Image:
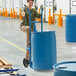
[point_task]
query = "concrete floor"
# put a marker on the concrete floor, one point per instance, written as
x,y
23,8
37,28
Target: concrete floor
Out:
x,y
9,30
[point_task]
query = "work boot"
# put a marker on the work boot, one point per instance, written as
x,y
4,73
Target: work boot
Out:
x,y
25,62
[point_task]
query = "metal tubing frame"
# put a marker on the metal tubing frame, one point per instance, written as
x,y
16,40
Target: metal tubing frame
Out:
x,y
34,28
30,33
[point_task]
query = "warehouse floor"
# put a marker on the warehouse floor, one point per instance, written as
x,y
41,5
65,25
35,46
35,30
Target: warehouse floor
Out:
x,y
12,45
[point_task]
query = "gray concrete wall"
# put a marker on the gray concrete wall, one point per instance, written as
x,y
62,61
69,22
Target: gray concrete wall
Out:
x,y
64,5
11,4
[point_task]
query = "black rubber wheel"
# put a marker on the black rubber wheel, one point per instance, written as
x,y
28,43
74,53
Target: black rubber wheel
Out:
x,y
25,62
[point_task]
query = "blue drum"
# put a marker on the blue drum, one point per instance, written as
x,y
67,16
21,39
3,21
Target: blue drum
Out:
x,y
43,46
70,28
65,69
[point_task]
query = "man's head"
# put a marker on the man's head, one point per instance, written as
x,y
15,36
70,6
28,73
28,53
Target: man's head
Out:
x,y
30,3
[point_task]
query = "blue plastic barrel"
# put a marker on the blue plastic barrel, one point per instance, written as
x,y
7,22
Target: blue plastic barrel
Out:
x,y
70,28
43,50
65,69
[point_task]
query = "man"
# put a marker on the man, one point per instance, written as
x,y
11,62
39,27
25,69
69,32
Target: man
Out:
x,y
25,27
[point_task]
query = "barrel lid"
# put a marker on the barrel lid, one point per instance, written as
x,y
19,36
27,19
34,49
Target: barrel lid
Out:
x,y
66,66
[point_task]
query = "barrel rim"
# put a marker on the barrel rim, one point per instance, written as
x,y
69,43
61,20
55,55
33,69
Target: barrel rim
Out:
x,y
71,15
45,32
55,66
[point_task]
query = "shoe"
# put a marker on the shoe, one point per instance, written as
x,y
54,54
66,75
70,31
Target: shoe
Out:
x,y
25,62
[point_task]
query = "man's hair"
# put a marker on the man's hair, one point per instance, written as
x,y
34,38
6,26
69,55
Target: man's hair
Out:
x,y
29,0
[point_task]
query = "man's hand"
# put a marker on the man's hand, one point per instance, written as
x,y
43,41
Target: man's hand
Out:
x,y
36,7
23,14
41,7
23,28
